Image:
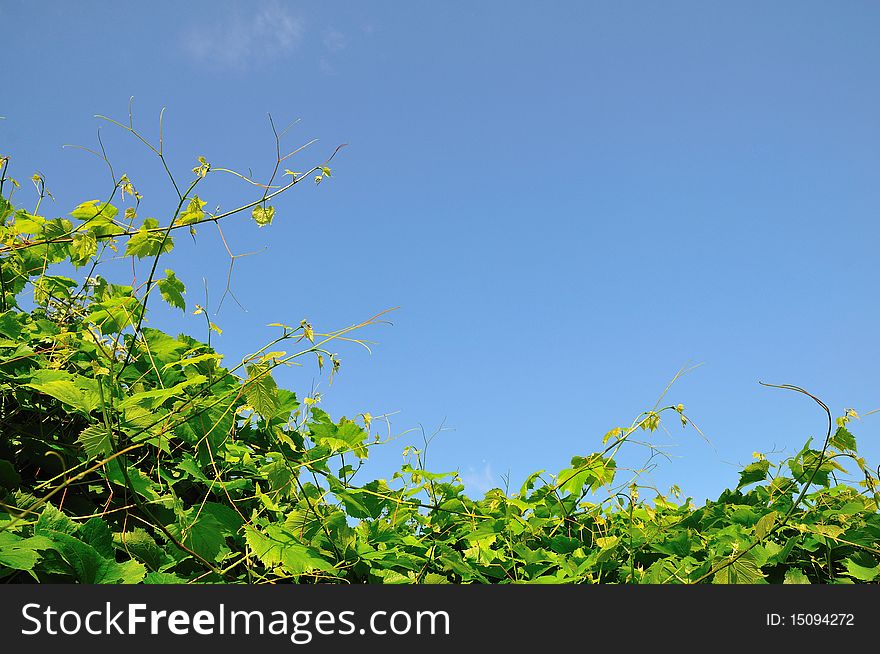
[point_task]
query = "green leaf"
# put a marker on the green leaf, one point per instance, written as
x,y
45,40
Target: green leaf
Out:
x,y
62,387
593,471
157,397
146,243
163,578
261,391
795,576
26,223
843,440
53,286
95,211
194,361
228,518
679,545
83,248
861,572
10,325
612,433
88,566
204,536
51,520
115,314
172,290
142,484
744,570
18,558
21,553
263,215
347,435
754,472
96,533
193,212
276,546
95,440
765,524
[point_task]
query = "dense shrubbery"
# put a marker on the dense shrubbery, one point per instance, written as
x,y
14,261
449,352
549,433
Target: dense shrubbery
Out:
x,y
129,455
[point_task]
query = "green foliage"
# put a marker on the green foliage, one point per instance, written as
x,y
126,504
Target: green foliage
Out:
x,y
129,455
263,215
172,290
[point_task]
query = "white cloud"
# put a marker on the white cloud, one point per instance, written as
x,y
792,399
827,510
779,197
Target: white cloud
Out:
x,y
334,40
239,41
479,480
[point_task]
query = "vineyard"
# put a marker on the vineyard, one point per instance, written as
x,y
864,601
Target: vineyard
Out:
x,y
131,455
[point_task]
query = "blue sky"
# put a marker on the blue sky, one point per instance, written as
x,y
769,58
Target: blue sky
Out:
x,y
568,202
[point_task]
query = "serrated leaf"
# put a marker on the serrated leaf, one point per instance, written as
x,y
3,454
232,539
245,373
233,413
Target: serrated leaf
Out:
x,y
147,243
743,570
194,361
612,433
193,212
26,223
95,440
261,391
63,387
83,247
172,290
95,210
204,536
138,544
263,215
765,524
52,286
18,558
860,572
155,398
96,533
843,440
752,473
347,435
795,576
51,520
276,546
163,578
21,553
88,566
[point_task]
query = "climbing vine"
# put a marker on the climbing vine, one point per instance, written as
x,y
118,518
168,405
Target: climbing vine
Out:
x,y
130,455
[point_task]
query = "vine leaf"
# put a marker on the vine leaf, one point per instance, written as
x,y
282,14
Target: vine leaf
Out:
x,y
63,387
172,290
765,524
860,572
83,248
263,215
753,473
743,570
90,567
262,391
277,546
843,440
95,440
21,553
148,243
193,212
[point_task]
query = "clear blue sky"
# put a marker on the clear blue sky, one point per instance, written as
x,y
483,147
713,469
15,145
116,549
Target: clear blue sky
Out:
x,y
568,202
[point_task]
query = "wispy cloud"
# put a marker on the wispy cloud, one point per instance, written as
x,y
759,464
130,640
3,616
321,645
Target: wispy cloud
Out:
x,y
479,480
334,40
241,40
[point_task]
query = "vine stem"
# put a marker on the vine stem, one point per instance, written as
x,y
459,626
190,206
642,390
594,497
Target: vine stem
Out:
x,y
733,559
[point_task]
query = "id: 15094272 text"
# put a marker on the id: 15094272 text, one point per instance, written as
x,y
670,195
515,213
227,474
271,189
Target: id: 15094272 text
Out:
x,y
810,620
